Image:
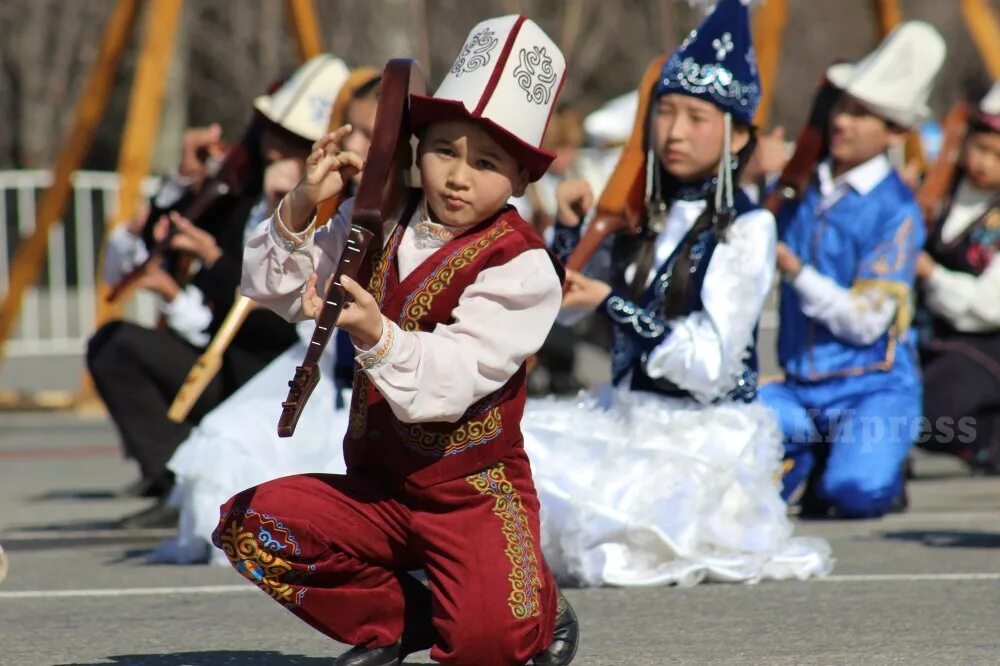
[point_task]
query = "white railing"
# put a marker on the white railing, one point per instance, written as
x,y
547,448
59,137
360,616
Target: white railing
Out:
x,y
57,314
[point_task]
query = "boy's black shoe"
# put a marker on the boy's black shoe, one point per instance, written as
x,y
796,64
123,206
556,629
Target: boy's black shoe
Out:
x,y
565,638
390,655
418,632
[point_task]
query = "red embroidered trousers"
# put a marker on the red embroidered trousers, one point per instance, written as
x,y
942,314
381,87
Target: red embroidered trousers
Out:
x,y
335,550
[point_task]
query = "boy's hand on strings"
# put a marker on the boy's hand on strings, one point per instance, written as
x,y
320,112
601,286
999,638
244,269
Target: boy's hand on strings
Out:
x,y
925,266
194,240
328,168
583,293
312,300
361,316
573,198
788,262
158,281
137,223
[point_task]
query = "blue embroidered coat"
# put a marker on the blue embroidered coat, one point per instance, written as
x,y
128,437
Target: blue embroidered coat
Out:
x,y
869,241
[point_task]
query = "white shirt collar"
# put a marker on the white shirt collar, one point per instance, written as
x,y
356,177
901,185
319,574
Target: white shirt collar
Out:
x,y
967,206
862,178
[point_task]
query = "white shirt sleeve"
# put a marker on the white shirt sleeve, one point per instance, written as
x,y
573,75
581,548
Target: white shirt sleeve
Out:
x,y
189,316
704,352
500,320
277,263
970,303
172,189
859,317
123,252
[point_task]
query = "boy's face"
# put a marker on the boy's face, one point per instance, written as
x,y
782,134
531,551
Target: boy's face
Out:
x,y
466,175
857,135
688,135
982,160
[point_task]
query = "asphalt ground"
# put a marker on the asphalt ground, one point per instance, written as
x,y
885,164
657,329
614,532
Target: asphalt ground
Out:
x,y
920,587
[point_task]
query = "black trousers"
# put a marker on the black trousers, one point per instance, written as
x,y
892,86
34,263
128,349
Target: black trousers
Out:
x,y
962,405
138,371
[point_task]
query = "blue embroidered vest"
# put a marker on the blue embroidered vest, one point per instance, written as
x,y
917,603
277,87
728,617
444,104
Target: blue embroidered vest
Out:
x,y
639,327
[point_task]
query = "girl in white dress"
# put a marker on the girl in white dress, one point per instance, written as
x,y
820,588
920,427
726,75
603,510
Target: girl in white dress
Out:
x,y
670,474
237,446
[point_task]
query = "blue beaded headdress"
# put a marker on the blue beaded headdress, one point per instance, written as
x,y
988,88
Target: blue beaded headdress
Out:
x,y
717,63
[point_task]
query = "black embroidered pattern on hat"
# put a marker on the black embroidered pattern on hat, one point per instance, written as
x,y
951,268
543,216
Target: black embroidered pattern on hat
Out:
x,y
476,53
535,62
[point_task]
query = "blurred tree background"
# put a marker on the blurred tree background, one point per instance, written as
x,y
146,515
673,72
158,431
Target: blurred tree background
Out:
x,y
229,51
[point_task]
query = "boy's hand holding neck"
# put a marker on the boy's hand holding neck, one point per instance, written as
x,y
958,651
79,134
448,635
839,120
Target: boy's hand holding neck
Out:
x,y
327,171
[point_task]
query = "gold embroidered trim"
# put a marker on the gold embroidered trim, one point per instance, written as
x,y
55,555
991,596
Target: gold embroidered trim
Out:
x,y
419,303
425,230
525,582
471,433
289,239
896,249
258,565
900,325
359,407
377,284
377,359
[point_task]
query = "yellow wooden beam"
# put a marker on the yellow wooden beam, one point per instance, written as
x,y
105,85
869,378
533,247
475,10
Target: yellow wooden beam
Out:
x,y
305,28
888,15
769,23
87,117
985,30
142,124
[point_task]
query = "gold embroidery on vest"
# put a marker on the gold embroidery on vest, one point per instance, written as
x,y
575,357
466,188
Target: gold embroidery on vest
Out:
x,y
359,407
418,305
525,582
376,286
471,433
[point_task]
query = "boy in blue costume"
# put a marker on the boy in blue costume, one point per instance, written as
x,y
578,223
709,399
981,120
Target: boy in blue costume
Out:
x,y
850,405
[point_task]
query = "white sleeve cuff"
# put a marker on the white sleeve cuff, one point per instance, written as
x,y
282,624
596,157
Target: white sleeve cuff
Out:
x,y
292,241
816,290
380,353
173,188
188,316
123,252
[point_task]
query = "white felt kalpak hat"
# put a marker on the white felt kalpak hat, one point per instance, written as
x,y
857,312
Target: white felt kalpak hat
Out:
x,y
611,125
895,80
303,103
508,76
987,114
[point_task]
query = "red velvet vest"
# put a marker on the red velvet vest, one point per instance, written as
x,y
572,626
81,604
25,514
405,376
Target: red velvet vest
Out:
x,y
431,452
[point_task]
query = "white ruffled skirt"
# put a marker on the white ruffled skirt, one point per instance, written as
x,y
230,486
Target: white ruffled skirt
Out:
x,y
236,446
639,489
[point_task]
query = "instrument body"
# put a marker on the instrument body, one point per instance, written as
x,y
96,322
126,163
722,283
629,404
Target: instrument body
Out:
x,y
810,148
940,179
379,195
621,206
